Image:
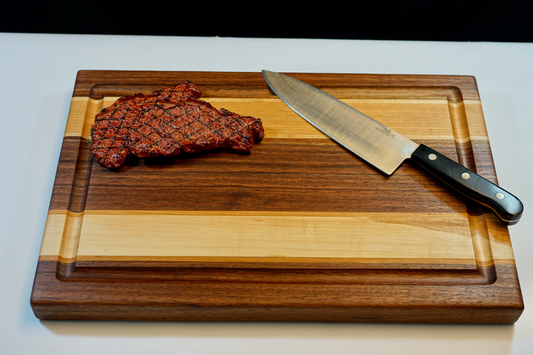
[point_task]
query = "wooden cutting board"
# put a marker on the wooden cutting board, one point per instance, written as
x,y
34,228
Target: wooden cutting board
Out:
x,y
298,230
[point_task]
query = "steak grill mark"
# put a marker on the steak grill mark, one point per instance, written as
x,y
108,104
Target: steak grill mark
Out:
x,y
166,123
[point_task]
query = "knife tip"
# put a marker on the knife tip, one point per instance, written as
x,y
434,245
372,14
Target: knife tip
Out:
x,y
266,74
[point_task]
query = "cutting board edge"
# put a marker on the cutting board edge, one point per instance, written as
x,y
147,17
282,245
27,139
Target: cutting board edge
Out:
x,y
53,299
463,85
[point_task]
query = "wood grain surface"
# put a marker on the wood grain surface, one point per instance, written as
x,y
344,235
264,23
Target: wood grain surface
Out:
x,y
298,230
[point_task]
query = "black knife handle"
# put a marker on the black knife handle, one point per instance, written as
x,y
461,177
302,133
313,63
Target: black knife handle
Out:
x,y
506,206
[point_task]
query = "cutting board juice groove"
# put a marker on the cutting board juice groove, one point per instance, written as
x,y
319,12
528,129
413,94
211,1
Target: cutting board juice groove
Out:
x,y
78,244
485,273
76,207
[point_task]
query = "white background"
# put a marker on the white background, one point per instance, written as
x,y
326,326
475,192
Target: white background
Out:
x,y
37,74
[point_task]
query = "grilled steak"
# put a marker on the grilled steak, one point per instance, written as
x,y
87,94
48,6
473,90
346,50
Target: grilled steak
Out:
x,y
168,122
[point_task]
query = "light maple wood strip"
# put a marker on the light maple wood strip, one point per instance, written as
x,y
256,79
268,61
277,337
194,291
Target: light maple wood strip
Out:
x,y
76,116
405,117
481,241
53,233
275,235
81,116
52,246
279,121
71,236
61,236
468,122
93,107
459,122
476,120
500,240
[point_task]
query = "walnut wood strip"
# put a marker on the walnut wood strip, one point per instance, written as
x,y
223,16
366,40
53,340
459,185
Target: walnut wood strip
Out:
x,y
193,301
247,84
271,179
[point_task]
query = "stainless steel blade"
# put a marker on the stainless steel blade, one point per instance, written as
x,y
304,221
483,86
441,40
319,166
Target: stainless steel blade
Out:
x,y
372,141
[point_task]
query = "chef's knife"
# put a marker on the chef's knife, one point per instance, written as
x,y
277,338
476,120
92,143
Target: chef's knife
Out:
x,y
384,148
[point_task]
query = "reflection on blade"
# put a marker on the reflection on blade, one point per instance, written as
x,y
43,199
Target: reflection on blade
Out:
x,y
362,135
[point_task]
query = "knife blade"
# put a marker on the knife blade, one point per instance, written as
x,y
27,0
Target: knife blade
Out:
x,y
384,148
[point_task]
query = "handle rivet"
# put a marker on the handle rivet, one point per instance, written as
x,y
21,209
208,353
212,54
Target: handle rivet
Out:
x,y
500,196
465,176
432,157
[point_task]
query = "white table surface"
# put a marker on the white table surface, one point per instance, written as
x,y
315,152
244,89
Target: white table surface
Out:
x,y
37,74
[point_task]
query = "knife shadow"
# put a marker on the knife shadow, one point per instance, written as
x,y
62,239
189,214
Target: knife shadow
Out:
x,y
440,190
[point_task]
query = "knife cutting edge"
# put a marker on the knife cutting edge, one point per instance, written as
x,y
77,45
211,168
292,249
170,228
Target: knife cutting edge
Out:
x,y
384,148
